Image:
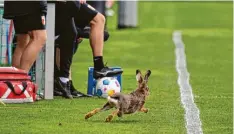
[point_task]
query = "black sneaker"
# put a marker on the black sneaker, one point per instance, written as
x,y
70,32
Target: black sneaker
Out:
x,y
64,88
106,72
57,92
75,93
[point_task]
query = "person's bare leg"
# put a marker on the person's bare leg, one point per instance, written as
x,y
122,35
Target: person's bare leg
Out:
x,y
96,40
22,42
37,41
96,34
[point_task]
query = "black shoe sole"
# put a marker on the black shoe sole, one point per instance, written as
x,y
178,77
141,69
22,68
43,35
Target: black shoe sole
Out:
x,y
81,96
78,94
109,74
58,93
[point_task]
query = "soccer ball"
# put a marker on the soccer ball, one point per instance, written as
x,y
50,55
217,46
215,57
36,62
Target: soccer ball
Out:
x,y
107,86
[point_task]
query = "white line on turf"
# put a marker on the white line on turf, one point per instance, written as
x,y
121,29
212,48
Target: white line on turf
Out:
x,y
193,122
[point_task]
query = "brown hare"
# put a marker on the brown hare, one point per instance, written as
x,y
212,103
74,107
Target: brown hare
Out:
x,y
126,103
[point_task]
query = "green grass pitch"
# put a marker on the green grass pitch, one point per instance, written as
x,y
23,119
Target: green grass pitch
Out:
x,y
207,34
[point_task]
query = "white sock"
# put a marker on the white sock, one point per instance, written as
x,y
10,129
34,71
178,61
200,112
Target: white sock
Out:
x,y
64,79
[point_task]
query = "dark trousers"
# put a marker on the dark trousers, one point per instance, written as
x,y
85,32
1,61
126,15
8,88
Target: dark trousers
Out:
x,y
65,27
68,16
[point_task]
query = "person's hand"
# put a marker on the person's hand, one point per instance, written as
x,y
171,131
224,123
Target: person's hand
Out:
x,y
82,1
79,40
109,3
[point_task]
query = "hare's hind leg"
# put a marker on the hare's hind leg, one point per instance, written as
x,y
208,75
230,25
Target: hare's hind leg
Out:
x,y
107,106
112,115
91,113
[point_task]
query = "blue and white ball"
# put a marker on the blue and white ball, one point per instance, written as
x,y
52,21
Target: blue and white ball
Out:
x,y
107,86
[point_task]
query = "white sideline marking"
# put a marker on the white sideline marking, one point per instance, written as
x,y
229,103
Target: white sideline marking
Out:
x,y
193,122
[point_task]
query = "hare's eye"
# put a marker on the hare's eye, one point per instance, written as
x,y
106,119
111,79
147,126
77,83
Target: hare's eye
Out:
x,y
147,87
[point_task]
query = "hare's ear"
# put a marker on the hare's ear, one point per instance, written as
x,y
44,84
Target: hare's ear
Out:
x,y
147,75
138,76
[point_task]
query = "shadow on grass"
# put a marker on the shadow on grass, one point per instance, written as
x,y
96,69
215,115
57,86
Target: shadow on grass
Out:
x,y
115,121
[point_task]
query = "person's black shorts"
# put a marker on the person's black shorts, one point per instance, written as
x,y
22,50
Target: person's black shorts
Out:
x,y
99,5
26,23
84,15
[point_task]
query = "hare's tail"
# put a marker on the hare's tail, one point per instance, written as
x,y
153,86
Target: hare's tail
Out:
x,y
114,98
